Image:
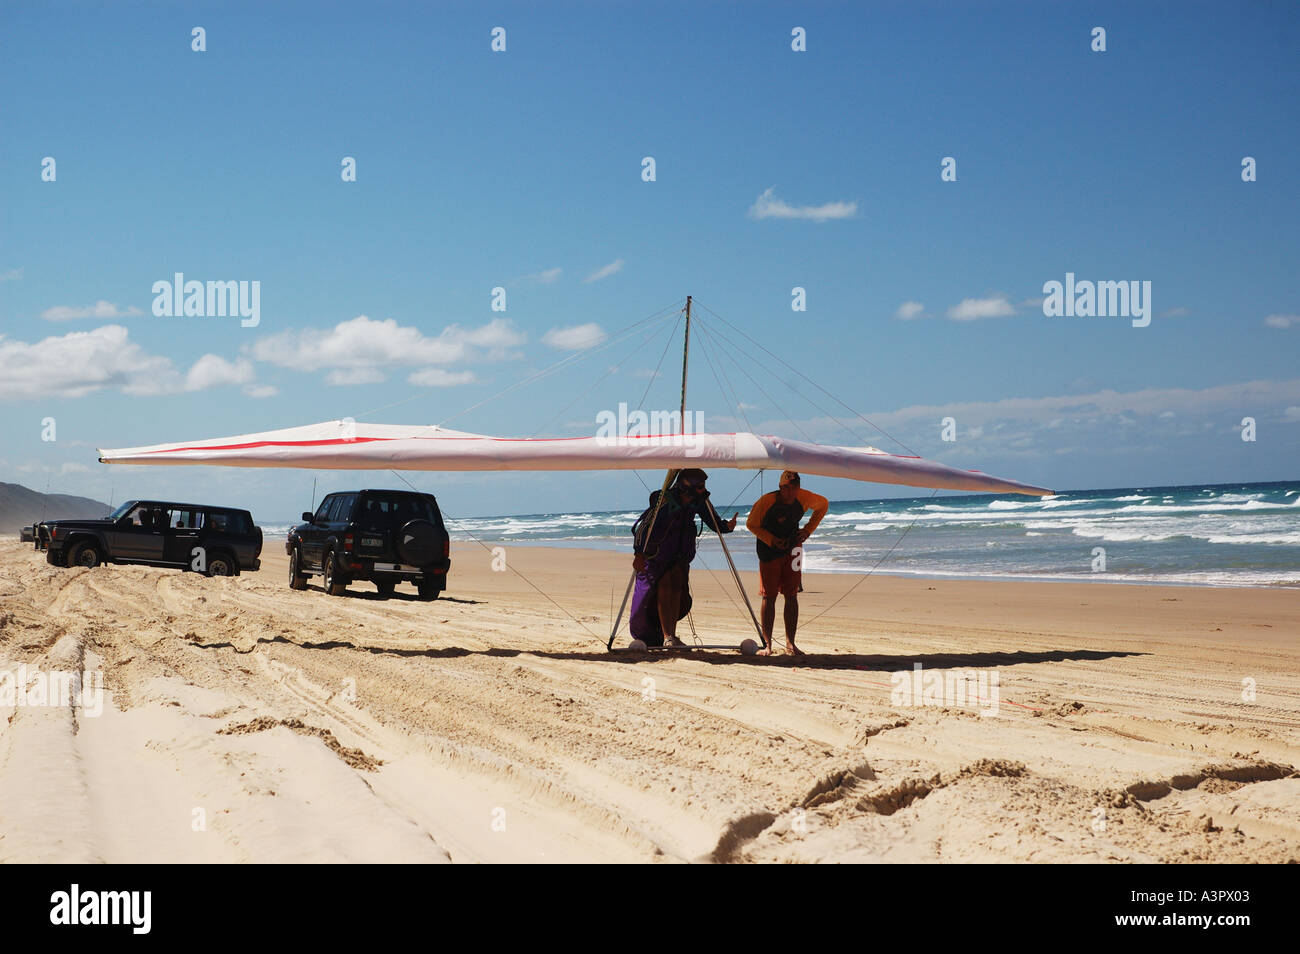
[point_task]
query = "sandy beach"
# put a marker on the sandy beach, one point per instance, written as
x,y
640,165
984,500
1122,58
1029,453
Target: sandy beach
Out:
x,y
245,722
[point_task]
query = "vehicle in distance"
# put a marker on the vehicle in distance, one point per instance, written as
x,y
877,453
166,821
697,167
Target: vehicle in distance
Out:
x,y
383,536
218,541
26,534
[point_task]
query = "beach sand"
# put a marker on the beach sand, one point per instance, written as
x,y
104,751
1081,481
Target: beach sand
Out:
x,y
244,721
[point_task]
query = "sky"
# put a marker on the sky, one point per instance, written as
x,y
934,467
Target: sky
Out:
x,y
774,169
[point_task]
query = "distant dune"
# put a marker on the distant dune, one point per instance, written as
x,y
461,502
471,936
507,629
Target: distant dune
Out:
x,y
19,506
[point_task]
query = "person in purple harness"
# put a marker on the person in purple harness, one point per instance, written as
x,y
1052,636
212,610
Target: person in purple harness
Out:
x,y
664,552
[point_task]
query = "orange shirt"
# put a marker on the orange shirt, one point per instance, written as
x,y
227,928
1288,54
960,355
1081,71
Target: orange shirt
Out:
x,y
809,500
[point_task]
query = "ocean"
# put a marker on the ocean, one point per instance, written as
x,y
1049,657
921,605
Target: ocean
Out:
x,y
1222,534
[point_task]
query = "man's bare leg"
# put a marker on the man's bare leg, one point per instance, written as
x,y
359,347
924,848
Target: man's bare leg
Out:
x,y
769,622
669,604
792,624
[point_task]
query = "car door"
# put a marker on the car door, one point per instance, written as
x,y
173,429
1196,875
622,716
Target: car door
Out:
x,y
340,516
223,529
312,536
183,535
138,536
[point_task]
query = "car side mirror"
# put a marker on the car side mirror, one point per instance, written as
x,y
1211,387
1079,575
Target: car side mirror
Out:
x,y
308,516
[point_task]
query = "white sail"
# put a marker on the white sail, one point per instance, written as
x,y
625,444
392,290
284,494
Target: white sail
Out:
x,y
345,445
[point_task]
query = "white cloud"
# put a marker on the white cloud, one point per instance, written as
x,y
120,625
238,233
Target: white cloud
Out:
x,y
972,309
78,363
213,371
768,206
440,378
365,346
82,362
348,376
909,310
613,268
100,309
261,390
13,275
574,338
1282,321
548,276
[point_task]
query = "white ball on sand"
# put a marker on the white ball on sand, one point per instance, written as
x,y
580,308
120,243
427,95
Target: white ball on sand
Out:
x,y
749,647
637,646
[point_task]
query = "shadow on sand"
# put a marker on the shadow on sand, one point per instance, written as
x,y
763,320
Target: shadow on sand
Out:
x,y
398,596
820,661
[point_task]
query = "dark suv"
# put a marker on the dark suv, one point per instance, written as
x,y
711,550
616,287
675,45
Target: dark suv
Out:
x,y
218,541
384,536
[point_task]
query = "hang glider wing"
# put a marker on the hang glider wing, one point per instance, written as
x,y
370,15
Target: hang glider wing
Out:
x,y
344,445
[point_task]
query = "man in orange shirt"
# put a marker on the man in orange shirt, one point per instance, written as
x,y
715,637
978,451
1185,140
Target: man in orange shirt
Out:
x,y
774,522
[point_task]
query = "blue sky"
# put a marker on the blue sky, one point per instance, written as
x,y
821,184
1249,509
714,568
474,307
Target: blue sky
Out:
x,y
522,169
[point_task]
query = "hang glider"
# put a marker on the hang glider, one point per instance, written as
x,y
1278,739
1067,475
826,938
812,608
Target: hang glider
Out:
x,y
345,445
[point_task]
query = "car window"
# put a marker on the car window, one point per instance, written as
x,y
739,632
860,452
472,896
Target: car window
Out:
x,y
147,516
185,518
228,521
224,521
344,509
323,514
396,508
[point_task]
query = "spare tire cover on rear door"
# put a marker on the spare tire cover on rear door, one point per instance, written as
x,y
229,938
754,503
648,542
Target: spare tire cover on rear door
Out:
x,y
418,543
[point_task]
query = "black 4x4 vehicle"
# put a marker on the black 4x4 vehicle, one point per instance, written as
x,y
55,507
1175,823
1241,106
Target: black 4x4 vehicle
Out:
x,y
384,536
218,541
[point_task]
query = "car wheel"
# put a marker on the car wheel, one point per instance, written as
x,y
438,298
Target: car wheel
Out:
x,y
334,584
85,554
297,581
56,558
220,565
386,587
429,591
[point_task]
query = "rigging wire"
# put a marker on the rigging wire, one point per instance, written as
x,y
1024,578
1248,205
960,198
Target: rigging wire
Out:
x,y
823,410
618,335
512,569
655,375
773,402
808,379
874,567
708,359
562,363
757,474
640,344
735,396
